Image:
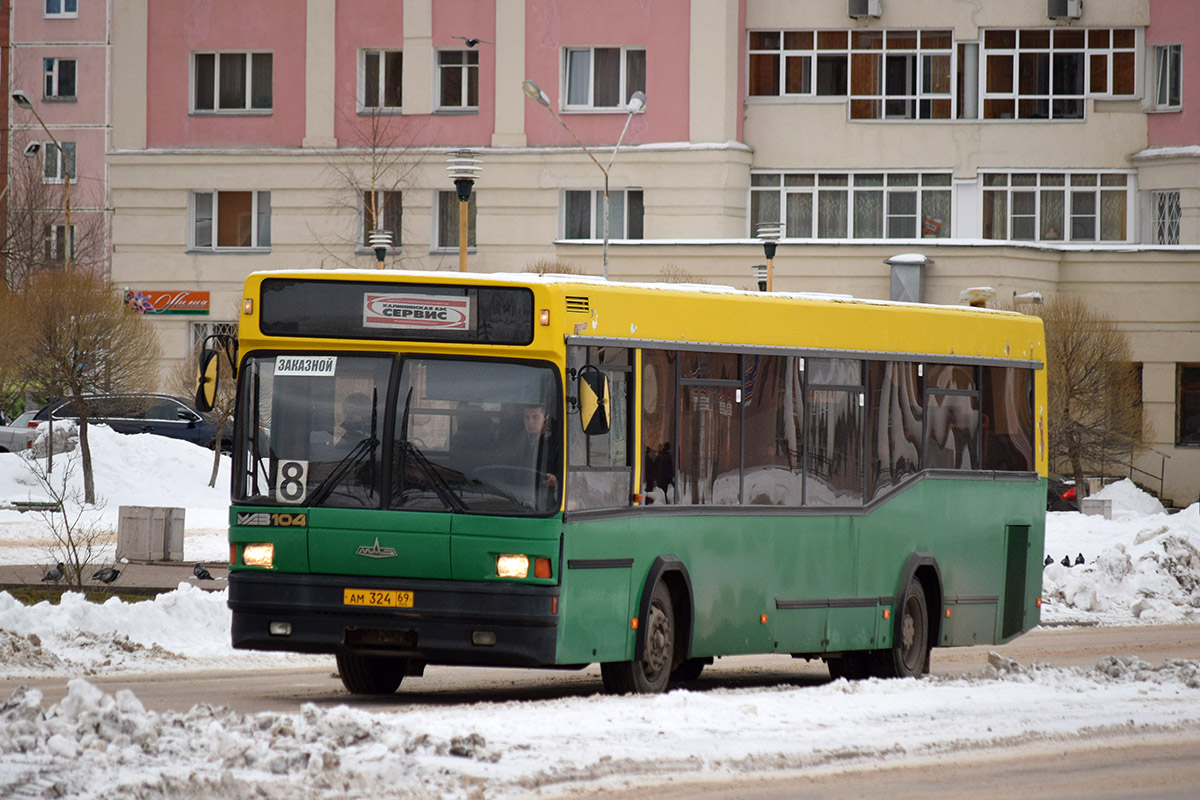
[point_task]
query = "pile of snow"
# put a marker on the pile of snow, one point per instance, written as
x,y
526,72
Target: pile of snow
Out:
x,y
128,470
93,744
1143,565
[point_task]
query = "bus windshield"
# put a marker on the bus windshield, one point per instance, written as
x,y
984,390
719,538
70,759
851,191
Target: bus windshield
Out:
x,y
414,433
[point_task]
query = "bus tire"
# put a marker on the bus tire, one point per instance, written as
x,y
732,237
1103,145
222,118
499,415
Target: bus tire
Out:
x,y
652,673
379,675
909,654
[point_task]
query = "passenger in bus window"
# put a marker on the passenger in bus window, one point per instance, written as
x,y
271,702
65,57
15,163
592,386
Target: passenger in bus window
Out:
x,y
537,446
356,419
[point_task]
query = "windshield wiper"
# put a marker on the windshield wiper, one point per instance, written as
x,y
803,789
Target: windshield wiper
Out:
x,y
441,488
365,447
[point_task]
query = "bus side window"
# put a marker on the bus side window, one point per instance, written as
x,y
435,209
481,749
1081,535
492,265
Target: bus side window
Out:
x,y
658,426
601,471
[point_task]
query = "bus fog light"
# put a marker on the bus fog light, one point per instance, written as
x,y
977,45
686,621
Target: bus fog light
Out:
x,y
259,555
512,566
280,628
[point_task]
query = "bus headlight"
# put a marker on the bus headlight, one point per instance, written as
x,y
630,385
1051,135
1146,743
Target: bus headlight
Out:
x,y
512,566
259,555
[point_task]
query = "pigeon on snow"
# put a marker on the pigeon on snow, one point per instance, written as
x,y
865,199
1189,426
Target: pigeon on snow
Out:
x,y
1079,559
1066,562
54,573
201,573
106,575
1049,560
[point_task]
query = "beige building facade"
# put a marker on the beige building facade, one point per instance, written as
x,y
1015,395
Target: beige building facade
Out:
x,y
863,137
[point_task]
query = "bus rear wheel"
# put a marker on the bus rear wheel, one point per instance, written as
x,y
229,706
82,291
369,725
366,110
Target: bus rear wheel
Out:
x,y
371,674
652,673
909,654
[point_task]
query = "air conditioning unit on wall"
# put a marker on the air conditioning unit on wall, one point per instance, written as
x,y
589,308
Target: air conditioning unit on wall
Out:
x,y
863,8
1064,9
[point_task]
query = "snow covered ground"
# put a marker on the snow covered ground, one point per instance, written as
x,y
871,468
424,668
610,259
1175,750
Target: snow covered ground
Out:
x,y
1143,566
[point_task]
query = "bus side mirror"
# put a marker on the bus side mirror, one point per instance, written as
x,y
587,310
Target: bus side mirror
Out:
x,y
594,410
206,381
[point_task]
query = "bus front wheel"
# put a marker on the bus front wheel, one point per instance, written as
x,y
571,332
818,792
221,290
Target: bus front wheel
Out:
x,y
650,674
909,654
370,674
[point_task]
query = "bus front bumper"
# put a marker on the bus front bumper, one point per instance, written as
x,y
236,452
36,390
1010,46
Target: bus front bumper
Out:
x,y
450,622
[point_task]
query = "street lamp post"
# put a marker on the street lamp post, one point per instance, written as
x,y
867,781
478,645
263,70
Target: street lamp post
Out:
x,y
464,171
637,102
769,234
22,100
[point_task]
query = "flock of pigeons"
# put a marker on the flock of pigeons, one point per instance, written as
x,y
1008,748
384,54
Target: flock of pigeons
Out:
x,y
1066,561
110,574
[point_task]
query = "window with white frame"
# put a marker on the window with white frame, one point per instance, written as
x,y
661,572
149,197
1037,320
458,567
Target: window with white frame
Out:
x,y
603,77
1056,206
901,74
227,220
458,80
1165,206
232,81
381,210
583,214
54,240
59,81
853,205
1047,73
382,78
58,162
1168,77
446,223
62,8
798,63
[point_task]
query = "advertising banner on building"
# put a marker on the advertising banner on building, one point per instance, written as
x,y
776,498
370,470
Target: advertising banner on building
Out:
x,y
153,301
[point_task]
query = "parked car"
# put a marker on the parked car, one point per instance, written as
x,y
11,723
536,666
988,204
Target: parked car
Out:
x,y
161,414
15,438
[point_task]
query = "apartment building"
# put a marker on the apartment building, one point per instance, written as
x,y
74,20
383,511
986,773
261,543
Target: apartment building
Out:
x,y
1027,146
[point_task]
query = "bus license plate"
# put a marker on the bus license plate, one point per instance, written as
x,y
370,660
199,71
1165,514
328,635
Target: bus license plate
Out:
x,y
377,598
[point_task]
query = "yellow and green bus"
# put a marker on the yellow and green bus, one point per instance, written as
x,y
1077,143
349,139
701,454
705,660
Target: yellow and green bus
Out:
x,y
553,471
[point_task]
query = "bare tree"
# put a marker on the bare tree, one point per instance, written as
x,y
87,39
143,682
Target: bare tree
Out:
x,y
71,335
77,541
1095,413
366,180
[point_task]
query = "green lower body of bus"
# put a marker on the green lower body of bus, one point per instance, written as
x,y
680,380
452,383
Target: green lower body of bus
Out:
x,y
750,579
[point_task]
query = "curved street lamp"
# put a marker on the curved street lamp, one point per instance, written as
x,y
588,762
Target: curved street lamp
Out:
x,y
22,100
637,102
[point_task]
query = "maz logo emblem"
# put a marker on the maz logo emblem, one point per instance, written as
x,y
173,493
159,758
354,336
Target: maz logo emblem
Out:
x,y
375,551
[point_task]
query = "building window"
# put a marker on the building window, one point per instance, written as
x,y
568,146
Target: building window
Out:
x,y
62,8
58,163
458,79
55,237
583,214
447,221
842,205
1187,431
1166,217
231,82
798,63
604,77
60,78
231,220
382,76
381,210
202,330
1168,77
1047,73
1056,206
901,74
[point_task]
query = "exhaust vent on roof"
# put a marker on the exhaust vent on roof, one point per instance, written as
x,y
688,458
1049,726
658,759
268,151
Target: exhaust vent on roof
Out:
x,y
578,305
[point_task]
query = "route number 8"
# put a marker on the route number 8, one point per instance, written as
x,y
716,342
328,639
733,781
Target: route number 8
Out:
x,y
291,482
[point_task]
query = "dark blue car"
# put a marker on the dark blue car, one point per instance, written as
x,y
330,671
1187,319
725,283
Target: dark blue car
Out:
x,y
160,414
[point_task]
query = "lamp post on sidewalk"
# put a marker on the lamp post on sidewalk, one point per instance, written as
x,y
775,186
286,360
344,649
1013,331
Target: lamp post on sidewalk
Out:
x,y
637,102
464,170
22,100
